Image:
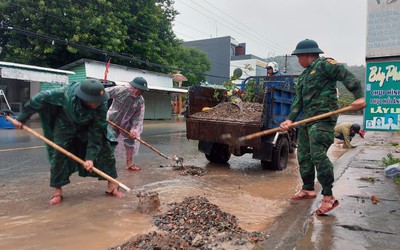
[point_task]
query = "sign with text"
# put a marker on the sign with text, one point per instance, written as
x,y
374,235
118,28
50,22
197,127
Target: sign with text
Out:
x,y
382,96
383,32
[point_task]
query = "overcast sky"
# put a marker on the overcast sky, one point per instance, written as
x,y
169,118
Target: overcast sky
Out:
x,y
271,28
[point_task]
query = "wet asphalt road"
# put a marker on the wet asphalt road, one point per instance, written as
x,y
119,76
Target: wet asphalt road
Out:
x,y
259,198
93,221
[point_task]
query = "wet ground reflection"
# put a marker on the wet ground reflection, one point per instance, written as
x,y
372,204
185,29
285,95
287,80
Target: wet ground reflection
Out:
x,y
87,219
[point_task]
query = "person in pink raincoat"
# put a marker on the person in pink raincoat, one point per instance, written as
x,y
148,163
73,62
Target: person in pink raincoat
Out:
x,y
127,111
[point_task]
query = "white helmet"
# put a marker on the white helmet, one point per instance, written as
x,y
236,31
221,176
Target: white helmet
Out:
x,y
274,66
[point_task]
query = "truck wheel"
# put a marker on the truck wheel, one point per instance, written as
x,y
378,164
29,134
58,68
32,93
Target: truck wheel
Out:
x,y
280,156
219,153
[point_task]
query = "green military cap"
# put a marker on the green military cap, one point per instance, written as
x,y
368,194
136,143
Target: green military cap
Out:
x,y
307,46
91,90
139,83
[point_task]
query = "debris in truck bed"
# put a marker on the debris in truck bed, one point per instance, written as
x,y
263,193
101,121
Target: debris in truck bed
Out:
x,y
195,223
227,111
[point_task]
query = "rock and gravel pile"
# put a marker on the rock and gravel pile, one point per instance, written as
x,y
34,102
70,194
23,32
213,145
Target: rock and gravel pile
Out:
x,y
195,223
227,111
191,170
187,169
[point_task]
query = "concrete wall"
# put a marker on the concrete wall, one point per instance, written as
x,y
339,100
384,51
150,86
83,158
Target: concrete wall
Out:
x,y
218,51
258,67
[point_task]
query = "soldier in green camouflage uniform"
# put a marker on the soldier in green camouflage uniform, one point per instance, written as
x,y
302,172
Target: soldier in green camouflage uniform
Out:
x,y
74,117
315,95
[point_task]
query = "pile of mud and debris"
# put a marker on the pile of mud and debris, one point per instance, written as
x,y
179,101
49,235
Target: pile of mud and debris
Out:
x,y
190,170
187,169
195,223
228,111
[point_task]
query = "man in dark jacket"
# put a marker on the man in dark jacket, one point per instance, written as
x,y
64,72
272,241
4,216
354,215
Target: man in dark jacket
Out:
x,y
74,117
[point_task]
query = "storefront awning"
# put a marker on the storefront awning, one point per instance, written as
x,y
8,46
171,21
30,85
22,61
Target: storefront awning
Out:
x,y
158,88
170,90
33,73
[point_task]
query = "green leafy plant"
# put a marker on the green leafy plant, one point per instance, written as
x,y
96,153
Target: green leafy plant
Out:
x,y
253,91
248,95
230,86
397,180
249,91
389,160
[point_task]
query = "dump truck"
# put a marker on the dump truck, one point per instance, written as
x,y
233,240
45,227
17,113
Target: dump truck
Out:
x,y
274,95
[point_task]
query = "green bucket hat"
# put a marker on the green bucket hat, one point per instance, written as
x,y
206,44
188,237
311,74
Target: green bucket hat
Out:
x,y
139,83
91,91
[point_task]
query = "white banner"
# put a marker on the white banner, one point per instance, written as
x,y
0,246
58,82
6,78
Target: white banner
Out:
x,y
29,75
383,31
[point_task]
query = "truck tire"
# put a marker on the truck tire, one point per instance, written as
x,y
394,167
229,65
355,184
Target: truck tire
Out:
x,y
219,153
280,155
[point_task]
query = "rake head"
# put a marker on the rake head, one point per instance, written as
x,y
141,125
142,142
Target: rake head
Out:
x,y
178,159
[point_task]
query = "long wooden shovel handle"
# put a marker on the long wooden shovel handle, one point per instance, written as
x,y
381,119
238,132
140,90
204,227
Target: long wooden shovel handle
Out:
x,y
70,155
136,138
294,124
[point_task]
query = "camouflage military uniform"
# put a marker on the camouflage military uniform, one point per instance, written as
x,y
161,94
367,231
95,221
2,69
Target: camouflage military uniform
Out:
x,y
315,95
80,130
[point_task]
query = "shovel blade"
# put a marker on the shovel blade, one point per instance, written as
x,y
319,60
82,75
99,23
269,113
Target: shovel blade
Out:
x,y
230,140
149,202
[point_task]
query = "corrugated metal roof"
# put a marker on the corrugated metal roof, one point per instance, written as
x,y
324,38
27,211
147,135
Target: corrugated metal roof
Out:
x,y
24,66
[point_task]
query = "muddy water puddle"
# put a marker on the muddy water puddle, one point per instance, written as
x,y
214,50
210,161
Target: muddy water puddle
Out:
x,y
87,219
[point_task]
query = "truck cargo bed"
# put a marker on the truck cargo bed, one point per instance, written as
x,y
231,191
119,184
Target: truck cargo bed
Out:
x,y
211,130
213,112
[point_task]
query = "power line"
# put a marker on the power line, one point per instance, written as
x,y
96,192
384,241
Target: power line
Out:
x,y
30,9
192,28
64,16
257,33
259,41
185,35
91,49
53,39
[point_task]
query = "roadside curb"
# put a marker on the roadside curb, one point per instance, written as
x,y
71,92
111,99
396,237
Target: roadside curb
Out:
x,y
358,222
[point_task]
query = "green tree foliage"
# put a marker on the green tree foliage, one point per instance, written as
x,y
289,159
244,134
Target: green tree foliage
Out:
x,y
192,62
137,29
345,96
